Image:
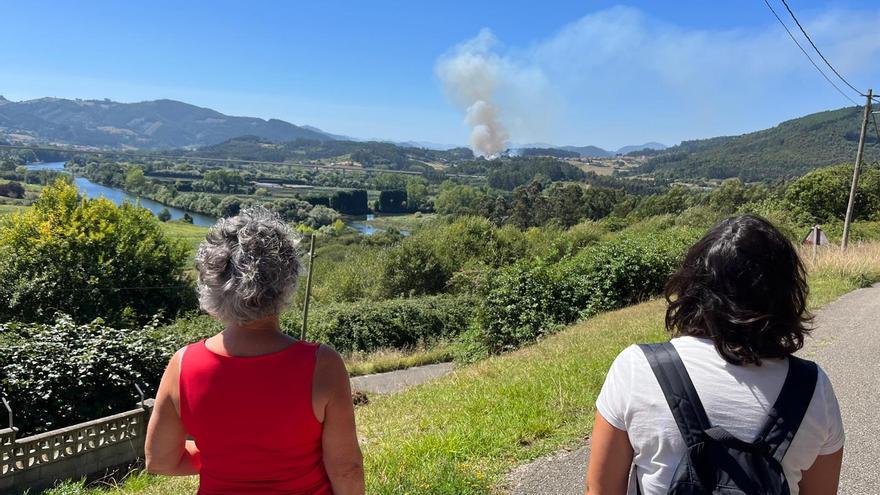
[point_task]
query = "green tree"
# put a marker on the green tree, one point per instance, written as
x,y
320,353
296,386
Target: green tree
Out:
x,y
387,182
529,206
823,194
416,193
90,259
229,206
321,215
164,215
393,201
457,199
413,268
135,180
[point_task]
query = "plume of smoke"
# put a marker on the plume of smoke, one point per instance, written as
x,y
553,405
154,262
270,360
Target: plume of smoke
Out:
x,y
471,74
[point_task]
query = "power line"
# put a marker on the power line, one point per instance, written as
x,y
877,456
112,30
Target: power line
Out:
x,y
784,2
796,42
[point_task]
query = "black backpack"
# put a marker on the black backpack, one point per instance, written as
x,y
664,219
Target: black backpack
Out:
x,y
716,462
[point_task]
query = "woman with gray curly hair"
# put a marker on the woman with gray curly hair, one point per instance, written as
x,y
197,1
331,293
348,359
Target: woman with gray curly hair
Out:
x,y
267,413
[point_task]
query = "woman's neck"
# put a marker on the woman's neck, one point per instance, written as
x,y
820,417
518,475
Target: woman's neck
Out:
x,y
264,327
253,338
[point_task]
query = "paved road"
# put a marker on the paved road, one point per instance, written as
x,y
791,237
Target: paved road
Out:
x,y
846,343
395,381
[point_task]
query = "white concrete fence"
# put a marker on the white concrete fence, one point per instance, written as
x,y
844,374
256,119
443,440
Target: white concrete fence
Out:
x,y
38,461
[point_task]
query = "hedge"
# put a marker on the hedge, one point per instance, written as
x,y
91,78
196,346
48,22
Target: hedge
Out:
x,y
528,299
62,373
367,326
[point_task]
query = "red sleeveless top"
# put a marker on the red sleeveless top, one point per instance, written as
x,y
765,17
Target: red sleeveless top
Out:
x,y
253,421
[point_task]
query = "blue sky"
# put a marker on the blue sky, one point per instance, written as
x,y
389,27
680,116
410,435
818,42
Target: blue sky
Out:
x,y
585,72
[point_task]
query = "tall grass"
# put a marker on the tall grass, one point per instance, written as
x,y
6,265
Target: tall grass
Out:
x,y
859,259
836,272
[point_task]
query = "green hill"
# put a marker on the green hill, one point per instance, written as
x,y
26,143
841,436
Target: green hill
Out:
x,y
147,124
368,153
790,149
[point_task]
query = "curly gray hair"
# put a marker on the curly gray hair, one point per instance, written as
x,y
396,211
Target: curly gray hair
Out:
x,y
248,267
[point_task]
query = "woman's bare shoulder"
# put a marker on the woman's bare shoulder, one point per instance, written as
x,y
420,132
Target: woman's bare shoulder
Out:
x,y
329,363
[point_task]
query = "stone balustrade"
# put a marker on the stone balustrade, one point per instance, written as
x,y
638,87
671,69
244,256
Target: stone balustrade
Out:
x,y
84,449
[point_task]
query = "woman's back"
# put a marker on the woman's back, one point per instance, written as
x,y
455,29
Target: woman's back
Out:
x,y
253,420
736,397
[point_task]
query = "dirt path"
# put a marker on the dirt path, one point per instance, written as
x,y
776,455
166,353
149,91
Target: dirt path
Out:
x,y
846,343
395,381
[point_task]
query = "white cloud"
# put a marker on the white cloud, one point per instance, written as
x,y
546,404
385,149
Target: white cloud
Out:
x,y
686,82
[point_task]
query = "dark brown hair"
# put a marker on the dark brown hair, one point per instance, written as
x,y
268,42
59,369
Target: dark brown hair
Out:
x,y
743,286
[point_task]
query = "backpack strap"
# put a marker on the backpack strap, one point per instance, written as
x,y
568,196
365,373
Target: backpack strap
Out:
x,y
688,411
788,412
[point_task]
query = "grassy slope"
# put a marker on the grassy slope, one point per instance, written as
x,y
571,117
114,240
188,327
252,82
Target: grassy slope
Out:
x,y
460,434
408,222
192,235
6,209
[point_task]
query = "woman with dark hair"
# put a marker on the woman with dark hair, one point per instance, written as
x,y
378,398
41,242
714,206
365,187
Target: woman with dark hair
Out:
x,y
737,312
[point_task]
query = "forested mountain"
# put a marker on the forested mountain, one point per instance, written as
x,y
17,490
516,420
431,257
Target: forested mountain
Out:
x,y
367,153
148,124
654,146
554,152
788,150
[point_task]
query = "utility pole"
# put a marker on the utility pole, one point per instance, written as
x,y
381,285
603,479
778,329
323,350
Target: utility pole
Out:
x,y
302,333
855,181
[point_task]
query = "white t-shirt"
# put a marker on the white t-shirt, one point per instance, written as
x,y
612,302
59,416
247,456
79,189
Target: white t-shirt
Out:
x,y
736,398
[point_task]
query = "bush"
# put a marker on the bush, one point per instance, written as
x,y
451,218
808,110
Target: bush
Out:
x,y
344,274
186,329
471,238
164,215
524,301
413,268
62,373
624,271
425,262
791,221
89,259
12,190
391,324
529,299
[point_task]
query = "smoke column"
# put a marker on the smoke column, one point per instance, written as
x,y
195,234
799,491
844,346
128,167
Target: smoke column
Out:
x,y
470,75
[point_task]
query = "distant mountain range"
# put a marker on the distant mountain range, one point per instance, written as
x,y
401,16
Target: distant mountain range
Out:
x,y
592,151
789,149
148,124
173,124
786,150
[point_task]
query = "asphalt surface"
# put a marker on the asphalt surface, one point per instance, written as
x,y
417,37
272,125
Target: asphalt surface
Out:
x,y
395,381
845,342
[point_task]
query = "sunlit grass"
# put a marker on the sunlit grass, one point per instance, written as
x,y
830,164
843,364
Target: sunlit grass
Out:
x,y
393,359
190,234
7,209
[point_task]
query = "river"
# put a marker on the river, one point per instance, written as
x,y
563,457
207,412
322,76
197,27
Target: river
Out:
x,y
118,196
